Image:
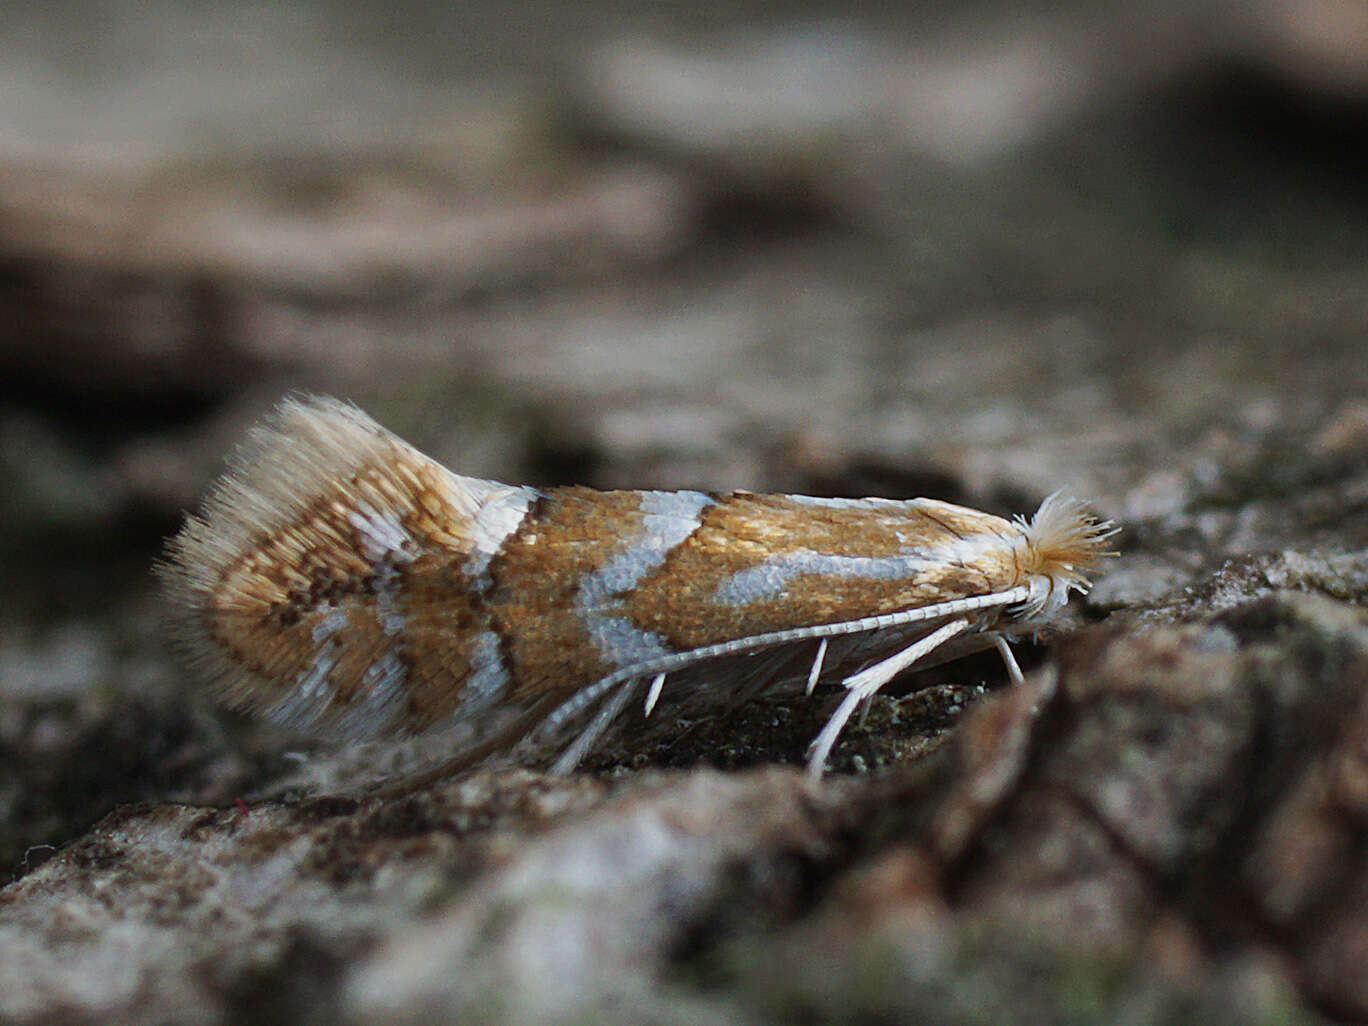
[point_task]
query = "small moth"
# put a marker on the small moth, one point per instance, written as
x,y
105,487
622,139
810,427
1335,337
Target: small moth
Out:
x,y
341,582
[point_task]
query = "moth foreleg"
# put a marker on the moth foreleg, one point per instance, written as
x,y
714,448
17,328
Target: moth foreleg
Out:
x,y
816,670
864,710
1005,650
867,682
653,695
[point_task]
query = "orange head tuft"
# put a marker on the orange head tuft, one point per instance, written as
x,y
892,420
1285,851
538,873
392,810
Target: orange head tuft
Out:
x,y
1064,540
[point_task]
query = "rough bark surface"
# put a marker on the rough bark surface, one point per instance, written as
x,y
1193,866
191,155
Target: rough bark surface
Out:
x,y
979,256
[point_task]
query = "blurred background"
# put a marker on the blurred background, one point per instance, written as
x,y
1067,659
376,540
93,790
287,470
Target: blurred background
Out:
x,y
978,251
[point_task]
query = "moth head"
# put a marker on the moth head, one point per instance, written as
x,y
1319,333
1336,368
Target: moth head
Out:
x,y
1064,542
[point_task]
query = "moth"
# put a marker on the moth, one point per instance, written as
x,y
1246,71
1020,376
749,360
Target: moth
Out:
x,y
340,582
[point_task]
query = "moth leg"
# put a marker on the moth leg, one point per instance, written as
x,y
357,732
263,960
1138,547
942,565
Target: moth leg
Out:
x,y
590,735
1005,650
816,670
653,696
864,709
866,684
